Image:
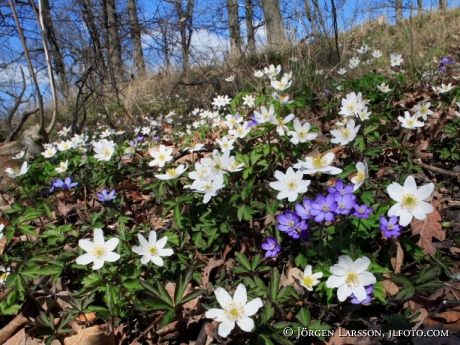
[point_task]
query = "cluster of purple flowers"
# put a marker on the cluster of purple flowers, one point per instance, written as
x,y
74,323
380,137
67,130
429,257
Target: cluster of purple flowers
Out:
x,y
444,62
66,184
390,227
339,201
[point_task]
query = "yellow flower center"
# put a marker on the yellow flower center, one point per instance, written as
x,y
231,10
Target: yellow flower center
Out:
x,y
16,170
410,122
352,280
162,157
106,152
291,184
308,281
409,201
234,311
98,251
171,172
345,132
291,223
153,250
360,176
319,162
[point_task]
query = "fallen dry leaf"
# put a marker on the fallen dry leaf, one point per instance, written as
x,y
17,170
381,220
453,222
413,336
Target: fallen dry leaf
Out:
x,y
95,335
397,254
289,278
390,287
213,263
429,228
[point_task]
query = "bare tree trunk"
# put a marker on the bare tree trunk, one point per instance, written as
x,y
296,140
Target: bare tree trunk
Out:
x,y
186,29
442,5
94,32
55,52
398,5
234,28
250,27
274,23
113,41
136,37
311,16
420,6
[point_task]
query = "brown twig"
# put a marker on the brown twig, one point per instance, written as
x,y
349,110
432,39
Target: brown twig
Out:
x,y
438,170
148,329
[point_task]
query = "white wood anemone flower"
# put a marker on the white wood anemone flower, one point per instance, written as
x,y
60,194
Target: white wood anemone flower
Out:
x,y
319,163
361,175
16,171
350,277
152,250
172,173
104,150
289,185
98,251
308,279
409,200
235,310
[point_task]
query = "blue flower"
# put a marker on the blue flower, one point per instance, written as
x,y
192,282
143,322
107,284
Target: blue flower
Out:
x,y
303,210
390,227
323,208
341,188
288,221
345,202
369,289
105,196
362,211
271,246
67,183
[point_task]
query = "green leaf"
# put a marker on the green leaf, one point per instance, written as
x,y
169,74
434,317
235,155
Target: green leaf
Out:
x,y
178,216
406,293
318,326
245,212
399,279
157,304
192,295
274,283
266,340
379,292
255,262
425,275
243,260
181,285
304,316
367,197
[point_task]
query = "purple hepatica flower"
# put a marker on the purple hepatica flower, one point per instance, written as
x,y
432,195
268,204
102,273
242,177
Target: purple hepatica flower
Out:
x,y
327,92
303,210
341,188
323,208
132,143
446,61
288,221
140,138
362,211
367,300
390,227
67,183
345,202
105,196
156,138
301,230
442,68
272,247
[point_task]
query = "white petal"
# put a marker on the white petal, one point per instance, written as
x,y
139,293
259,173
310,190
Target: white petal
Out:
x,y
253,306
157,260
111,244
425,207
338,270
240,295
143,242
360,265
111,257
223,297
409,185
367,278
329,157
86,245
98,263
145,259
85,259
140,250
405,218
343,292
161,242
214,313
225,328
99,237
307,271
425,191
165,252
152,238
246,324
345,261
360,293
335,281
396,191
